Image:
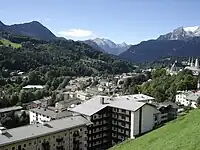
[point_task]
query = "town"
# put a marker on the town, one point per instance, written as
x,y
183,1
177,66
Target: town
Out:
x,y
98,115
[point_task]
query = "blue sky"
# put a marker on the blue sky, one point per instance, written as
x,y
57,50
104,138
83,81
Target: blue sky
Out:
x,y
131,21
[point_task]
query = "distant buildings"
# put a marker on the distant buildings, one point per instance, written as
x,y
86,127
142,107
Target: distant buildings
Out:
x,y
187,98
190,65
194,67
64,134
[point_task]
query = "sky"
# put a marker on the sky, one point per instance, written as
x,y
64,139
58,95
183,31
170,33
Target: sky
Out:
x,y
130,21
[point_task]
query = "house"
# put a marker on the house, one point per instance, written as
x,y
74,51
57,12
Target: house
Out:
x,y
187,98
168,111
64,134
192,99
116,119
38,103
83,95
34,87
41,115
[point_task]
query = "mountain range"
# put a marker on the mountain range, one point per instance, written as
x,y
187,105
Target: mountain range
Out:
x,y
108,46
182,41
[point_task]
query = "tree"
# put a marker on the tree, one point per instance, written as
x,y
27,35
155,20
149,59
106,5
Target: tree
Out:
x,y
198,102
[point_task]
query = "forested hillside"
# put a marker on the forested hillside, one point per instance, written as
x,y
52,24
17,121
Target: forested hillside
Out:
x,y
69,57
48,63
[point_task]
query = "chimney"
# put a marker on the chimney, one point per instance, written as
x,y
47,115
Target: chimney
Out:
x,y
102,100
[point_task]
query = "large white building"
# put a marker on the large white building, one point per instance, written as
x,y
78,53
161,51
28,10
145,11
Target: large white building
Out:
x,y
117,118
64,134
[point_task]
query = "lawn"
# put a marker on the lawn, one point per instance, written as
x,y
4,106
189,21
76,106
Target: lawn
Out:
x,y
9,43
180,134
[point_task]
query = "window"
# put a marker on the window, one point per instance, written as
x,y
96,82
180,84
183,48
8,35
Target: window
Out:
x,y
13,148
24,145
123,123
123,117
29,143
123,110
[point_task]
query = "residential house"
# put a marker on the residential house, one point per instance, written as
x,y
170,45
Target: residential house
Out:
x,y
41,115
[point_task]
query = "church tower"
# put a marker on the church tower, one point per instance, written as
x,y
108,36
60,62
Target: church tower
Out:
x,y
198,84
197,63
192,64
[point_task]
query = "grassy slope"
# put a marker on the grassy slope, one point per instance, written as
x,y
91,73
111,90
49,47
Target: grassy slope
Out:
x,y
180,134
7,43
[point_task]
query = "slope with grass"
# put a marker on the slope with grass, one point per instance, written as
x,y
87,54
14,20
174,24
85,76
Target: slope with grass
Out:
x,y
180,134
8,43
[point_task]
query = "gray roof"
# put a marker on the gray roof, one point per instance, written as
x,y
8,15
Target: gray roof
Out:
x,y
7,109
52,113
94,105
38,130
165,104
193,96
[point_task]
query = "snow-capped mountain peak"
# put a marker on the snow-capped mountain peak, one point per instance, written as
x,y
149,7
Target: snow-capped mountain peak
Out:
x,y
182,33
191,29
111,47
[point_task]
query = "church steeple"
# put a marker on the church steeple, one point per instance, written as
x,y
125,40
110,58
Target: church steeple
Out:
x,y
197,63
188,63
192,64
198,84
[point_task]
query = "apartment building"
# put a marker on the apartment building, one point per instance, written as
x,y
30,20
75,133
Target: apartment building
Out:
x,y
64,134
116,119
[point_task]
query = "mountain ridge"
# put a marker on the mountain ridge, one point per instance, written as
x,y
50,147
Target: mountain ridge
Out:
x,y
108,46
32,29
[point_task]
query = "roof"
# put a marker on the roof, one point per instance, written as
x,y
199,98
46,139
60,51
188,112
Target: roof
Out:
x,y
193,96
94,105
33,86
67,103
14,108
51,113
166,104
38,130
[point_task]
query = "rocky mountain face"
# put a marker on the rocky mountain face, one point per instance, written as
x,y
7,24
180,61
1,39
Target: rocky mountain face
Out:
x,y
108,46
182,33
32,29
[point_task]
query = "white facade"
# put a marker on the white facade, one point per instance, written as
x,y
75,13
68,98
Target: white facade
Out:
x,y
38,118
181,98
82,96
147,121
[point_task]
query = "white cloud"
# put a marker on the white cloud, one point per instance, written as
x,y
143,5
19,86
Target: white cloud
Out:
x,y
79,33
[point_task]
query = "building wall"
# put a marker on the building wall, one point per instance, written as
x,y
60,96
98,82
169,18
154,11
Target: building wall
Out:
x,y
148,120
181,98
142,120
65,139
37,117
